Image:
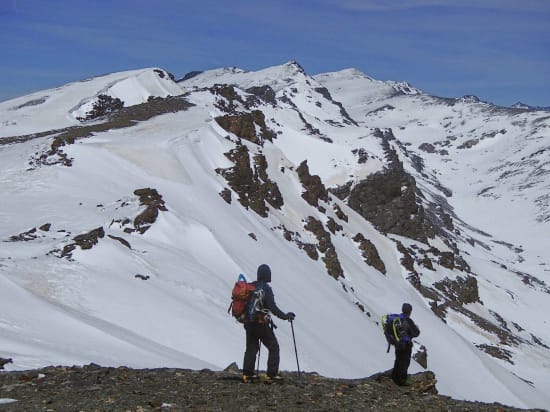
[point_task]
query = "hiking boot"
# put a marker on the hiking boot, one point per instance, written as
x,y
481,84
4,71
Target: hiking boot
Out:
x,y
272,379
250,378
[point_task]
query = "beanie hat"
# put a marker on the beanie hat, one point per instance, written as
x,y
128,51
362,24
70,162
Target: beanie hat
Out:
x,y
406,308
264,273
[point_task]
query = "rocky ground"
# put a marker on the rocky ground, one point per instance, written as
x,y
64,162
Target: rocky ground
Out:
x,y
96,388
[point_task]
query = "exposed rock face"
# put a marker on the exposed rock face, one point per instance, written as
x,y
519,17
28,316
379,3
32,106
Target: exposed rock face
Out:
x,y
326,94
326,247
245,125
102,106
230,97
124,117
121,240
85,241
30,234
226,195
153,201
421,356
314,188
388,199
461,290
370,253
253,186
96,388
261,94
339,213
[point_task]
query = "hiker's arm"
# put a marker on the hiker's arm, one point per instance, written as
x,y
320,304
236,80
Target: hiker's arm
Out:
x,y
413,328
269,300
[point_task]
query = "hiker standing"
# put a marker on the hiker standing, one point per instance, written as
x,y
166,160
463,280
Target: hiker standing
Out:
x,y
403,349
261,330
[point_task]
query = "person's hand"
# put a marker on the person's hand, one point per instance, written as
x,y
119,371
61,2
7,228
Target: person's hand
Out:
x,y
290,316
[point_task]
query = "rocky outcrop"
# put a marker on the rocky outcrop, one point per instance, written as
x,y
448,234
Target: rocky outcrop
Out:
x,y
153,202
259,95
388,199
252,185
314,190
370,253
326,94
84,241
124,117
462,290
249,126
102,106
97,388
325,246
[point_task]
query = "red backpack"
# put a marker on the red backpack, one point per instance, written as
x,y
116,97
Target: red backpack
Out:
x,y
241,296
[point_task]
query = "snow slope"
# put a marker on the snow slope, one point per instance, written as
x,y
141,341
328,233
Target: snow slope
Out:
x,y
91,306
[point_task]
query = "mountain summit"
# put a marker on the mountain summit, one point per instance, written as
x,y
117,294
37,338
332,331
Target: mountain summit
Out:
x,y
132,202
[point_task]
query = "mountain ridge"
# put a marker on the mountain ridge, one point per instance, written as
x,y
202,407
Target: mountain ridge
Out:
x,y
274,151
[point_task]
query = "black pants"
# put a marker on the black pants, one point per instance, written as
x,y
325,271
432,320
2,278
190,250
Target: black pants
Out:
x,y
401,364
256,333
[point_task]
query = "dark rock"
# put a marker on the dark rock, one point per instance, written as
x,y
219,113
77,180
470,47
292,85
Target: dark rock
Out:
x,y
190,75
121,240
326,247
421,356
461,290
314,188
362,155
427,147
326,94
262,94
342,192
102,106
84,241
45,227
341,215
388,199
370,253
154,203
310,249
95,388
253,186
497,352
125,117
333,226
244,126
226,195
24,236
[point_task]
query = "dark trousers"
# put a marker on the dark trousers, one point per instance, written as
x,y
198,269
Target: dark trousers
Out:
x,y
256,333
401,364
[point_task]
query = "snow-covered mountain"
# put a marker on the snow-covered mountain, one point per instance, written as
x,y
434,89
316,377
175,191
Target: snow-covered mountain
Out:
x,y
131,202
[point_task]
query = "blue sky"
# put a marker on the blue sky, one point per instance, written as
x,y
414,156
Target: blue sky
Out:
x,y
498,50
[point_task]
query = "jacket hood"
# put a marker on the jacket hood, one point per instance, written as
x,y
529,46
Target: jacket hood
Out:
x,y
264,273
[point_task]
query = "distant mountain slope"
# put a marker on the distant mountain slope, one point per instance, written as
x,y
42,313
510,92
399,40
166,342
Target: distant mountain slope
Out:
x,y
128,224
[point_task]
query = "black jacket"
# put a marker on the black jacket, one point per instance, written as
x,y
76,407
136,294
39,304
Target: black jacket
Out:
x,y
410,327
269,299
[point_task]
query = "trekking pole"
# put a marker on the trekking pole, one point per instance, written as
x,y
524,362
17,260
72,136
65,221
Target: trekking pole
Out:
x,y
295,350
